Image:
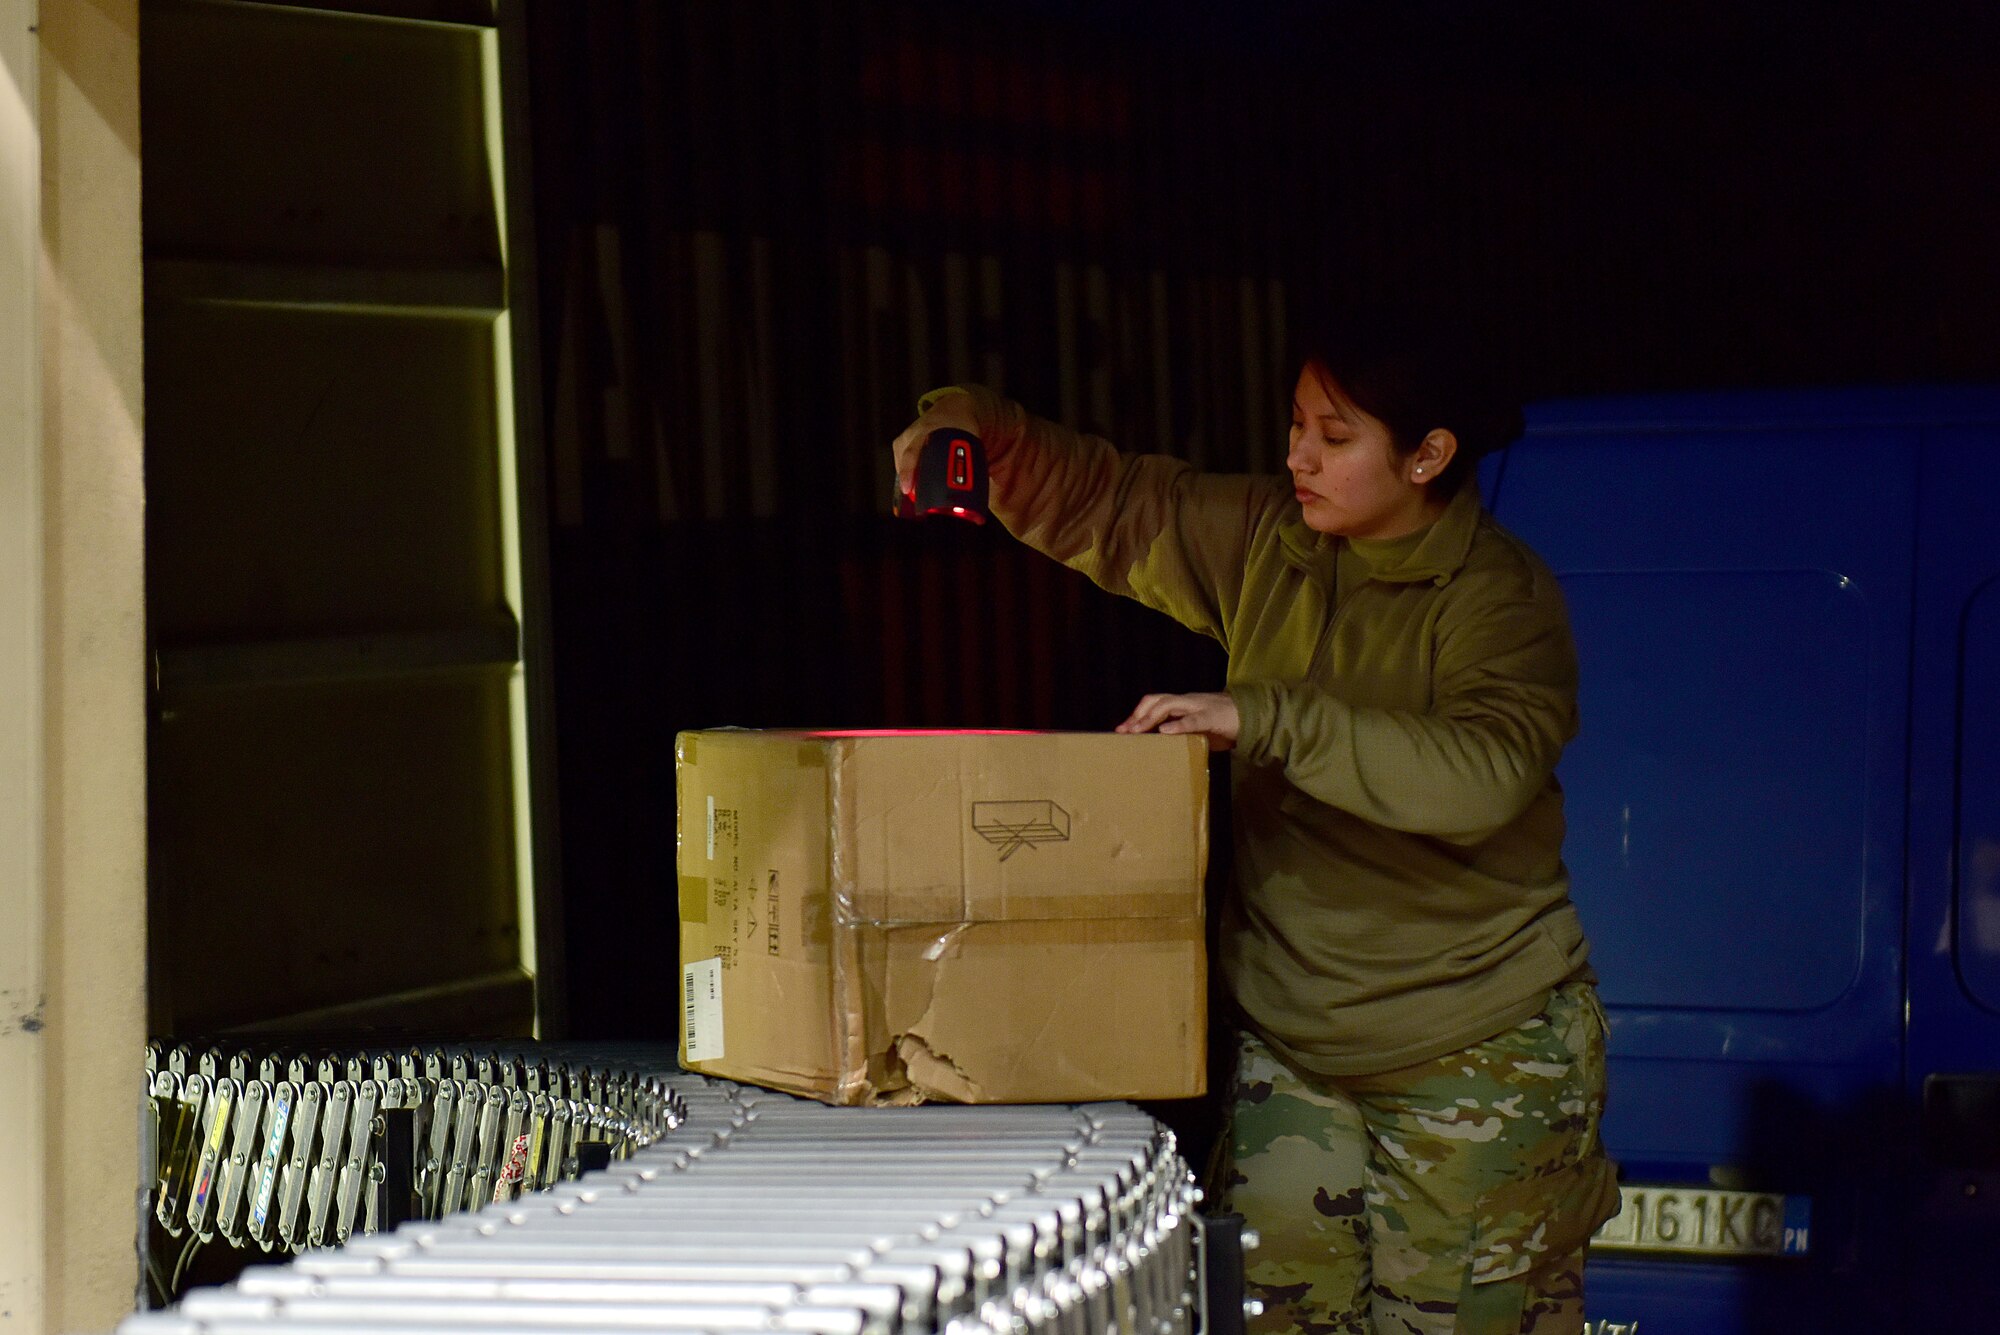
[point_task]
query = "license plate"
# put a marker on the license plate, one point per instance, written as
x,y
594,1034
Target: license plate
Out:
x,y
1706,1221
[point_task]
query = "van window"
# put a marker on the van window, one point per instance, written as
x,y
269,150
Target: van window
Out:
x,y
1716,795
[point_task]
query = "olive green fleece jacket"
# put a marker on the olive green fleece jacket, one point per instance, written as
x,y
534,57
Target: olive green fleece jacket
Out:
x,y
1400,891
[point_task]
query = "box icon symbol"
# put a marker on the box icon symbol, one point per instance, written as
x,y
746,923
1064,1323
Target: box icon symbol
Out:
x,y
1013,826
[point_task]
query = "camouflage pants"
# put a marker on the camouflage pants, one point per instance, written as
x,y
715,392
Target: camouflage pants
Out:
x,y
1454,1196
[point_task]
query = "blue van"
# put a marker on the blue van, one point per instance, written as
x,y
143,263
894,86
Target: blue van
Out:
x,y
1785,842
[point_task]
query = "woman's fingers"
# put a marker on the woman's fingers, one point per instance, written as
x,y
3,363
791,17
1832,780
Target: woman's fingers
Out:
x,y
1191,715
953,411
1141,719
1210,713
904,449
1152,711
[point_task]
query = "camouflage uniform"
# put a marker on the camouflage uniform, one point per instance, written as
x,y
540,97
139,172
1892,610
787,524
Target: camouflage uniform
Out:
x,y
1455,1195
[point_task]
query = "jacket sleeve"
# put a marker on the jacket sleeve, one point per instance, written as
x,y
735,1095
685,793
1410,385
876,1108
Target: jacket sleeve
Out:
x,y
1149,527
1503,706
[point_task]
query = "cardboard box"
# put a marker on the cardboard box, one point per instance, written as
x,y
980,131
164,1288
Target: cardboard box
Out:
x,y
973,917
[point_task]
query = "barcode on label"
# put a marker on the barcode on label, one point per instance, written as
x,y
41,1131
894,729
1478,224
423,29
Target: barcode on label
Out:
x,y
701,1008
711,829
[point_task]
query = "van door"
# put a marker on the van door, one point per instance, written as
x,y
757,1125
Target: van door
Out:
x,y
1953,1070
1738,571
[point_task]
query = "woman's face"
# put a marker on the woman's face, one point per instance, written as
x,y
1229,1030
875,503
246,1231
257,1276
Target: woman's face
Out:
x,y
1347,476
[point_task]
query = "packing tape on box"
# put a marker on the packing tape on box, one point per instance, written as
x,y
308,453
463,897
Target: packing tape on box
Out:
x,y
694,899
817,912
1101,917
1171,900
1044,931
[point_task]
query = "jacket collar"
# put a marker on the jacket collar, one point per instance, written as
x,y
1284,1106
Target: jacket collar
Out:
x,y
1439,556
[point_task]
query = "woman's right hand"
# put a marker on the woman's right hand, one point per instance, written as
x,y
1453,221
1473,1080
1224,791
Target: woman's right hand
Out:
x,y
951,409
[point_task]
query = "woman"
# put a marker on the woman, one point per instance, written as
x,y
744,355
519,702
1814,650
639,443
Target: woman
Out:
x,y
1421,1063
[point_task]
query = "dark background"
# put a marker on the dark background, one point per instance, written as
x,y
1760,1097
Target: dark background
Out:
x,y
764,226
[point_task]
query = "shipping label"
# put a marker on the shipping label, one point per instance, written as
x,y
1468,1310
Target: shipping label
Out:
x,y
701,1004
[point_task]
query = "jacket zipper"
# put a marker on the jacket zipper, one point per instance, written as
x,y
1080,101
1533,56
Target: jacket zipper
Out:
x,y
1332,624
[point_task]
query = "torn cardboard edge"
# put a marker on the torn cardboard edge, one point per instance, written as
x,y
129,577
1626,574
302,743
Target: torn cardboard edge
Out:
x,y
931,1076
917,1063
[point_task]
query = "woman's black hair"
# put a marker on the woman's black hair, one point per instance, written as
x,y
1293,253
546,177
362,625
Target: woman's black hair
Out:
x,y
1415,376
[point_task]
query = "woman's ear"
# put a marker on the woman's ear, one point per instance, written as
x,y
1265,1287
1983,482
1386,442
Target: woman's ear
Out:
x,y
1431,457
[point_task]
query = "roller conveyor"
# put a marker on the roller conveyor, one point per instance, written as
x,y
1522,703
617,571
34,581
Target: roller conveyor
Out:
x,y
727,1208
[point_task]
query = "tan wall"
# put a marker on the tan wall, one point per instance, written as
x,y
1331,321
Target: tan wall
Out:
x,y
22,1049
72,731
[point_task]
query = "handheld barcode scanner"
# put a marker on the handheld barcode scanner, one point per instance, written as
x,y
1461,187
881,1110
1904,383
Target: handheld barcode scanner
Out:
x,y
950,479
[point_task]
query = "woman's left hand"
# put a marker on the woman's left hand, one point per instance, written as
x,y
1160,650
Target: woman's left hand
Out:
x,y
1211,713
